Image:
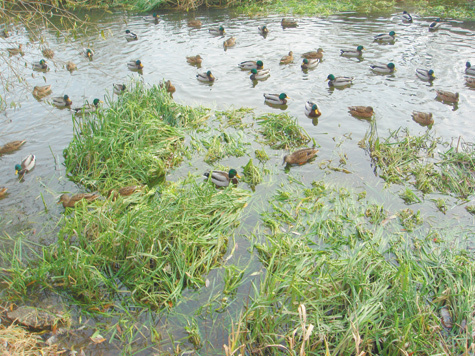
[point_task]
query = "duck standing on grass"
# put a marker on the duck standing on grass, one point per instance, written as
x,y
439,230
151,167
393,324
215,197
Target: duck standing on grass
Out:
x,y
300,157
223,179
26,165
71,201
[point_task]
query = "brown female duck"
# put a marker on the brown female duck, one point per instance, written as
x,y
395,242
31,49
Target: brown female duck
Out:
x,y
70,201
300,157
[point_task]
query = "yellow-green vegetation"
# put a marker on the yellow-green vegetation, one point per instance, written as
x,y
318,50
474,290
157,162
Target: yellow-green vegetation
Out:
x,y
234,117
281,131
252,174
224,144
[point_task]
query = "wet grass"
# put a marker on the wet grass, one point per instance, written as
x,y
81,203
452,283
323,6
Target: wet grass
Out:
x,y
223,145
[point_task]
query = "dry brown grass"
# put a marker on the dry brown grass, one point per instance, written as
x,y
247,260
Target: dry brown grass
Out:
x,y
15,341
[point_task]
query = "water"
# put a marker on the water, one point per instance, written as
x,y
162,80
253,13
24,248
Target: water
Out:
x,y
30,205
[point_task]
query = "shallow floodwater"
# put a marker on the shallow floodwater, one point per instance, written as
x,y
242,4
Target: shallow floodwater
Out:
x,y
30,205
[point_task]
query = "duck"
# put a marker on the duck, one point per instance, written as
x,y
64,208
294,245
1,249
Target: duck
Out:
x,y
361,111
223,179
194,23
422,118
309,63
88,108
88,53
276,99
62,101
4,33
135,65
358,52
263,30
155,18
469,69
124,191
390,37
11,146
71,66
41,65
447,96
406,17
470,82
217,31
168,85
383,68
70,201
339,81
259,74
424,74
40,91
3,191
206,77
287,59
318,54
288,23
130,36
47,52
26,165
230,42
119,88
311,109
299,157
14,51
194,59
435,25
251,65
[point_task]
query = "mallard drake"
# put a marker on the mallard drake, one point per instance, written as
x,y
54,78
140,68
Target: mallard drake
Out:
x,y
447,96
3,191
155,18
424,74
259,74
422,118
62,101
206,77
470,82
87,52
11,146
311,109
390,37
71,66
358,52
40,91
361,111
469,69
251,65
168,85
119,88
14,51
276,99
124,191
41,65
288,23
70,201
339,81
194,60
318,54
435,25
383,68
130,36
287,59
230,42
406,17
47,52
309,63
26,165
194,23
135,65
263,30
300,157
88,108
222,179
217,31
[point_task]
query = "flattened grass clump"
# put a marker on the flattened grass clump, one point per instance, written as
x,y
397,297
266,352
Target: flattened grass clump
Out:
x,y
224,145
281,131
252,174
234,117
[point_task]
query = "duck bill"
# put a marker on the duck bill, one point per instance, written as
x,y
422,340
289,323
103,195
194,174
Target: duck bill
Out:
x,y
237,175
16,172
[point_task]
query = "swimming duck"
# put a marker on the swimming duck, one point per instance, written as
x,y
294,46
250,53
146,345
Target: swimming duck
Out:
x,y
26,165
425,74
251,65
40,66
263,30
300,157
435,25
288,23
62,101
222,179
230,42
259,74
358,52
194,23
447,96
3,191
311,109
71,66
309,63
155,18
339,81
469,69
422,118
318,54
217,31
124,191
14,51
406,17
205,77
135,65
47,52
383,68
11,146
70,201
88,108
194,59
88,53
385,37
130,36
287,59
119,88
168,85
276,99
40,91
361,111
470,82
